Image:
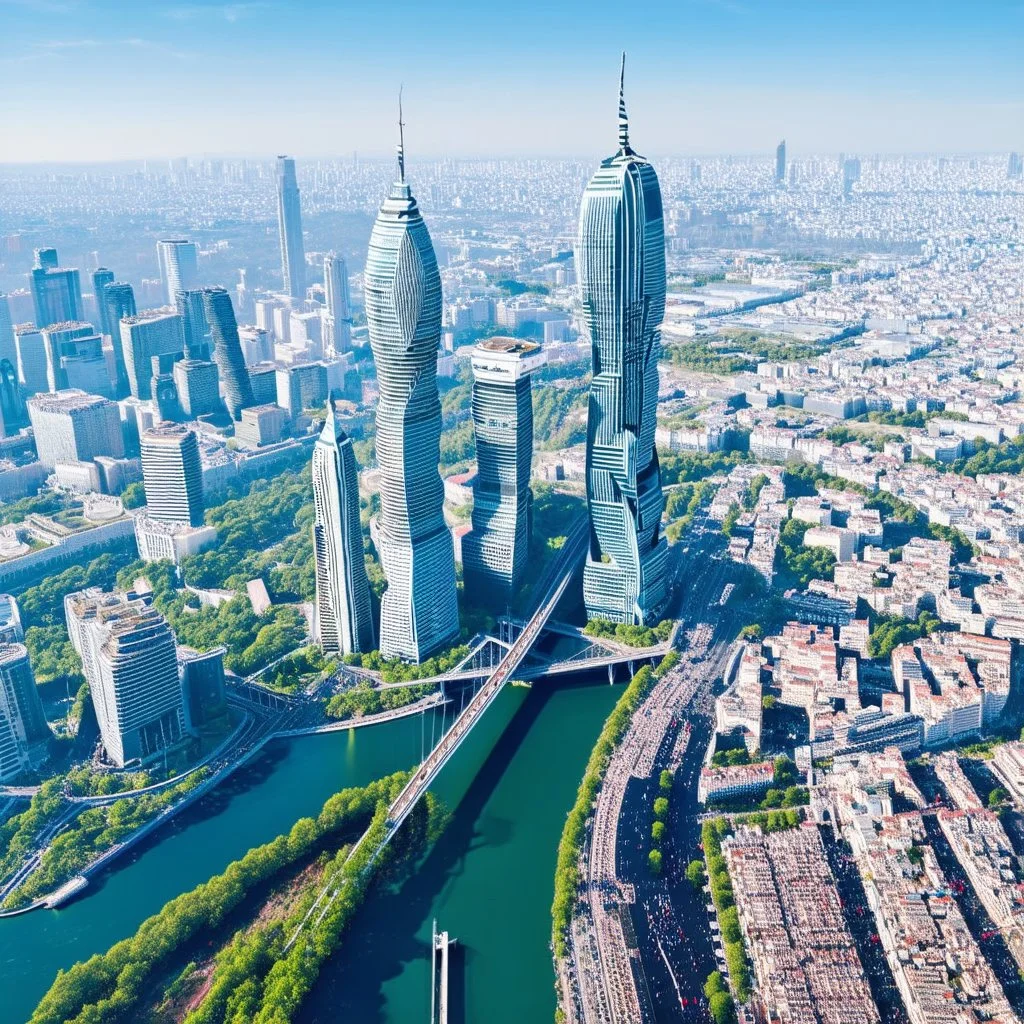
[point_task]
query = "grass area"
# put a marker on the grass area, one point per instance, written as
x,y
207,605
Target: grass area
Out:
x,y
363,699
625,633
93,832
252,976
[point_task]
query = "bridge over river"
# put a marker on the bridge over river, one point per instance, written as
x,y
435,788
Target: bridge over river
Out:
x,y
548,592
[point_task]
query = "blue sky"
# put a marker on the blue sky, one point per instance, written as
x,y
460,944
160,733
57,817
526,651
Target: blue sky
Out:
x,y
111,79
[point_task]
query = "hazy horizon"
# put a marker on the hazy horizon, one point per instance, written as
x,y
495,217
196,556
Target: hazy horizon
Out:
x,y
101,80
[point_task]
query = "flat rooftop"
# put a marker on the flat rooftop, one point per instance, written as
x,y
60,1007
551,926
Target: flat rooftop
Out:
x,y
512,346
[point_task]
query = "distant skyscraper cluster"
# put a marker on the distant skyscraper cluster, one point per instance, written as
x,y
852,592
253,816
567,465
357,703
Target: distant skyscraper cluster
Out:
x,y
620,263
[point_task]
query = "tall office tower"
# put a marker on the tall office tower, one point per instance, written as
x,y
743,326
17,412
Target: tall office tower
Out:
x,y
338,316
24,734
179,266
101,277
495,552
301,386
45,259
7,350
1015,167
257,344
419,613
227,351
172,474
56,292
116,303
193,318
129,658
72,426
780,162
263,379
620,262
196,381
153,332
30,350
74,359
344,620
289,223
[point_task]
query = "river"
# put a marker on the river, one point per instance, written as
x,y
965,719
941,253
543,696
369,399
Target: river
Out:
x,y
488,880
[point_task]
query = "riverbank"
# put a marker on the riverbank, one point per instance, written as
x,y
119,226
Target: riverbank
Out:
x,y
531,742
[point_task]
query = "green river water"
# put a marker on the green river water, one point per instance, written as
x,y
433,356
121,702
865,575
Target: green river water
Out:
x,y
488,880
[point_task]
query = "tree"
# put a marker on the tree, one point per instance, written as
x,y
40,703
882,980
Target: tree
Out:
x,y
997,797
723,1010
714,984
134,495
665,781
661,808
768,702
654,861
657,832
695,873
754,631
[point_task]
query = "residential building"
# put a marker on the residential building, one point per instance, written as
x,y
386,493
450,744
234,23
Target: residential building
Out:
x,y
173,475
72,426
129,659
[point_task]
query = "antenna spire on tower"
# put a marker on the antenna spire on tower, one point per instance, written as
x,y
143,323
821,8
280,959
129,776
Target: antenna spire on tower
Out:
x,y
623,119
401,139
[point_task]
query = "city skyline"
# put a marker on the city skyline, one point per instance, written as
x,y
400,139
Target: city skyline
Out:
x,y
711,77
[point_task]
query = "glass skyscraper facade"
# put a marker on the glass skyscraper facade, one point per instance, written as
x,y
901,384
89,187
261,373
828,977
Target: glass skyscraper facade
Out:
x,y
419,611
289,223
620,263
56,291
344,619
227,351
495,552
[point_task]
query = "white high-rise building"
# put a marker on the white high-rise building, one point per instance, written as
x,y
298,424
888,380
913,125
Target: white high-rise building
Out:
x,y
343,617
173,475
71,426
129,658
179,266
337,316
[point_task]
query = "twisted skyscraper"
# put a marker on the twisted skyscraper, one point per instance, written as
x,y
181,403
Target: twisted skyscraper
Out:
x,y
227,351
620,262
419,613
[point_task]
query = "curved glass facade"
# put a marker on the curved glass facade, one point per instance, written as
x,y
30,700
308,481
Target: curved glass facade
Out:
x,y
620,263
419,612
